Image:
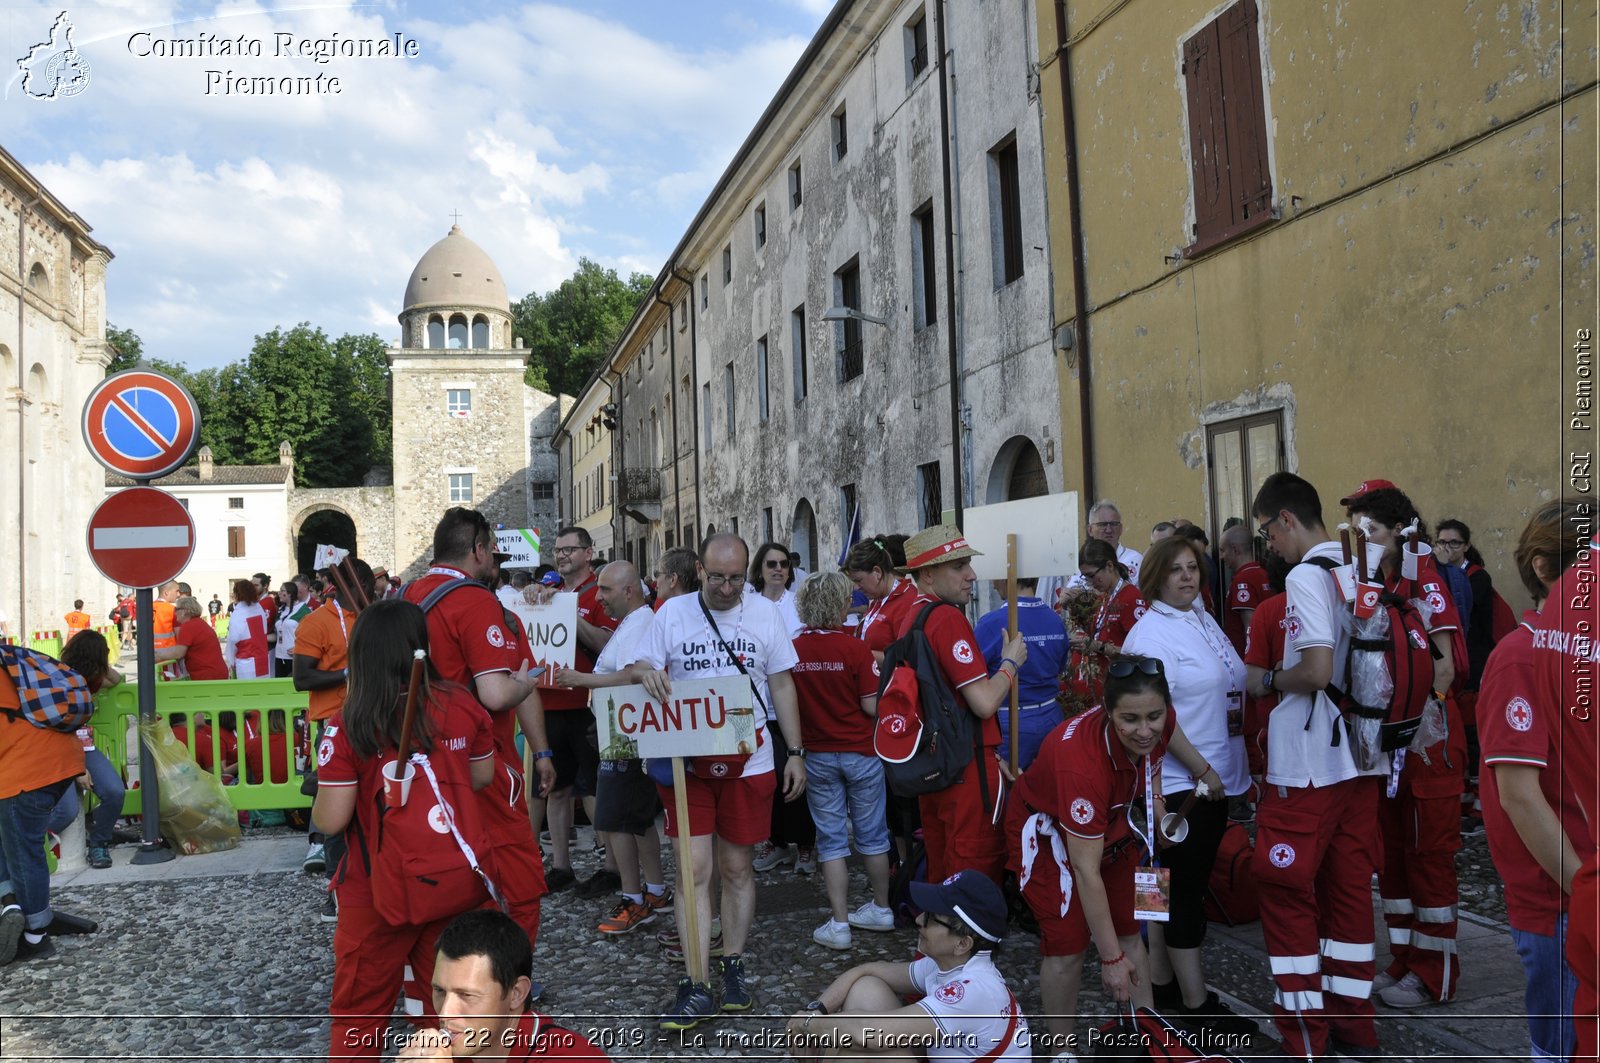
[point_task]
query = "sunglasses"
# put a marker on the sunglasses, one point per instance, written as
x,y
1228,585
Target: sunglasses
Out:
x,y
954,928
1123,667
784,563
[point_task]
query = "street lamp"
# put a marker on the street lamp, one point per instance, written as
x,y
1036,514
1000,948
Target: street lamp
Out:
x,y
850,313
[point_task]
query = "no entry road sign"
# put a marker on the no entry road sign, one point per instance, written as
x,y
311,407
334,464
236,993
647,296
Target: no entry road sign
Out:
x,y
140,537
141,424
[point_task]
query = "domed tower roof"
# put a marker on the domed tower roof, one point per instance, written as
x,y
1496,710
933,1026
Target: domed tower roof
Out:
x,y
455,272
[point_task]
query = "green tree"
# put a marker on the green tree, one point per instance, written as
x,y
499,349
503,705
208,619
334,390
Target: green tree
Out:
x,y
126,348
570,331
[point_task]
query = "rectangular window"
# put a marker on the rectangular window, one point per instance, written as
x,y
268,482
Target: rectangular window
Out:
x,y
847,510
761,378
841,134
705,290
601,481
235,502
705,415
797,342
1005,222
930,506
916,37
544,491
184,502
925,275
461,488
1240,454
727,265
766,524
794,187
458,402
761,225
688,536
847,293
235,541
1227,128
733,525
683,314
727,397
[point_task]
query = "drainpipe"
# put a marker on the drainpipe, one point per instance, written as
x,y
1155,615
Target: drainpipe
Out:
x,y
618,518
954,355
672,385
694,399
22,428
1080,284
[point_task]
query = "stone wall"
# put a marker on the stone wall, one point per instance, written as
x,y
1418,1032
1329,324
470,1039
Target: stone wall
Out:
x,y
370,509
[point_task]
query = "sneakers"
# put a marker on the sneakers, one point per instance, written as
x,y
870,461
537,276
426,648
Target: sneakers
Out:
x,y
805,862
11,926
659,902
870,917
769,856
557,879
672,946
1383,981
535,991
1166,995
694,1005
1212,1015
735,993
626,917
832,935
599,884
1409,992
329,911
99,857
35,950
316,861
66,924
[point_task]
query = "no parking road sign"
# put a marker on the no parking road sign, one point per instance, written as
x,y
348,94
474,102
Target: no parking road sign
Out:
x,y
141,424
141,537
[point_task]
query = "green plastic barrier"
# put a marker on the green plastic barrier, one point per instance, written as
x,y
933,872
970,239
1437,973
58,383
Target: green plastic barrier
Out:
x,y
45,642
273,706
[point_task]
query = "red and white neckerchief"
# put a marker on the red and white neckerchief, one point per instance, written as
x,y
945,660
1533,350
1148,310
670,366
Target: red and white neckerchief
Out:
x,y
875,610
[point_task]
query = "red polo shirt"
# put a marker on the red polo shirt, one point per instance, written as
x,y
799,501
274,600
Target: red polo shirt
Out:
x,y
1084,778
834,673
881,623
1246,591
955,647
203,658
1566,661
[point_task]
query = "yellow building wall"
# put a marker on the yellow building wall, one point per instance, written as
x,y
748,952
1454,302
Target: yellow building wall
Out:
x,y
1413,309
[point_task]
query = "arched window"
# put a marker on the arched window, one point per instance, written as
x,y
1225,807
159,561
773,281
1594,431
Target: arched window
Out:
x,y
38,279
1018,472
803,535
480,331
458,330
435,331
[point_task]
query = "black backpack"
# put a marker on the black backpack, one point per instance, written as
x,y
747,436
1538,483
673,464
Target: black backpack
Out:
x,y
924,734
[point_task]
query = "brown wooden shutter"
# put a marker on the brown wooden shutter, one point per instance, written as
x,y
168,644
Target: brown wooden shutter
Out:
x,y
1249,182
1207,145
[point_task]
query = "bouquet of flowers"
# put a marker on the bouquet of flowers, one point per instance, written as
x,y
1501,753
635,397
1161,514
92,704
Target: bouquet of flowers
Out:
x,y
1084,680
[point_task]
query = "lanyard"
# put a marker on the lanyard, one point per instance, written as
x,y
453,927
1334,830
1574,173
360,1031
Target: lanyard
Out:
x,y
1150,812
1221,650
875,610
342,629
1105,607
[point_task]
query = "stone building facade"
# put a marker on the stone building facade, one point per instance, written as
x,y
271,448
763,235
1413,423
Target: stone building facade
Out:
x,y
1309,244
52,354
859,316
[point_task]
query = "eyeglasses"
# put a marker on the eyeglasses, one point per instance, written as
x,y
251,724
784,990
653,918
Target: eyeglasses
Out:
x,y
954,928
1106,524
782,563
1123,667
717,579
1450,543
561,550
1264,529
1092,573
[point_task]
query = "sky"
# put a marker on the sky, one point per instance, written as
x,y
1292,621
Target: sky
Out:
x,y
557,131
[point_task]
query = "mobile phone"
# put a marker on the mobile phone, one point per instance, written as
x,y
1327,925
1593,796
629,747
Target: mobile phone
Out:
x,y
535,673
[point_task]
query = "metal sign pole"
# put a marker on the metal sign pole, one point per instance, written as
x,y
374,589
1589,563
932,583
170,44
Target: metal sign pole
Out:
x,y
151,851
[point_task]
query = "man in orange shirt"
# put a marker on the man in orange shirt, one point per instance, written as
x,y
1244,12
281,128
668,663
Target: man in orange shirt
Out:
x,y
36,767
77,620
161,619
320,645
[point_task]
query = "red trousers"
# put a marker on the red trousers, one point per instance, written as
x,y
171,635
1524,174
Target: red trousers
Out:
x,y
1583,956
518,869
959,831
1316,849
1417,880
372,961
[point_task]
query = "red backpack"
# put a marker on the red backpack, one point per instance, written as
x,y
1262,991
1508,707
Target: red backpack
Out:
x,y
1409,655
1231,893
424,861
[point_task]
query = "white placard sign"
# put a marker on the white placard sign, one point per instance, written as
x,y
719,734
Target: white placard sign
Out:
x,y
552,633
521,543
1046,528
703,717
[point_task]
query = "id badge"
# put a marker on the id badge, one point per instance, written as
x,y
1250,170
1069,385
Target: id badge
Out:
x,y
1235,713
86,736
1152,894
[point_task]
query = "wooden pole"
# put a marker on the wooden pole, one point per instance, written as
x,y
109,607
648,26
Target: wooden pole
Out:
x,y
698,967
412,688
1011,626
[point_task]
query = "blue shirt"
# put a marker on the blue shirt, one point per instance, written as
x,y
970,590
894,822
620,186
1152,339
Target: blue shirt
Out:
x,y
1046,636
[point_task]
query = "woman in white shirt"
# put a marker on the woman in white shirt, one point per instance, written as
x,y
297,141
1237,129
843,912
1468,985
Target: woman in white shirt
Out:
x,y
1208,681
794,834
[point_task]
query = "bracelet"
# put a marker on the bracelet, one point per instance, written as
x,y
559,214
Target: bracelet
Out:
x,y
1204,771
1015,667
544,754
1118,958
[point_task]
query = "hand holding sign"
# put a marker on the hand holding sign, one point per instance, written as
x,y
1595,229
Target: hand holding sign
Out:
x,y
552,633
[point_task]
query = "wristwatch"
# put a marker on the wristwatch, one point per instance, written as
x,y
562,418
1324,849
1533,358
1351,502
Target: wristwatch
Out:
x,y
798,751
1266,680
544,754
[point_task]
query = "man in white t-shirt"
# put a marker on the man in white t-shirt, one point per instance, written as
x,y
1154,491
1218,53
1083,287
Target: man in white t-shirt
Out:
x,y
1317,825
697,636
625,802
966,1012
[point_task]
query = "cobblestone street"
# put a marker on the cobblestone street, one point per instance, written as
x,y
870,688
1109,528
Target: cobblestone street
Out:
x,y
223,956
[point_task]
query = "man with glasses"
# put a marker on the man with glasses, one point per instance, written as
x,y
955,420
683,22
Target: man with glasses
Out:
x,y
472,641
568,721
1105,523
1317,834
722,632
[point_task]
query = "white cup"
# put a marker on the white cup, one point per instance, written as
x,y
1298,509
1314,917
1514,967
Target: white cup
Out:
x,y
1170,823
1409,559
1346,575
397,789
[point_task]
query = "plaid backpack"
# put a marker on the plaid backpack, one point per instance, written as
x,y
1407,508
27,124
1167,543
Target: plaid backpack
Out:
x,y
53,697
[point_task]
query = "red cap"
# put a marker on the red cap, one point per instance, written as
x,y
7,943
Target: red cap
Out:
x,y
1366,487
898,732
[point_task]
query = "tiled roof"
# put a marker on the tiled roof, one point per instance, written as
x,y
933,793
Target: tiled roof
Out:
x,y
221,475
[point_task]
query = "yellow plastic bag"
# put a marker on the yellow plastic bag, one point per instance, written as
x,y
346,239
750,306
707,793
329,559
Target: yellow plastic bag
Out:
x,y
196,815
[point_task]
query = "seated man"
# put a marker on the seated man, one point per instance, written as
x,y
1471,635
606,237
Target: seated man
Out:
x,y
481,976
966,1012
